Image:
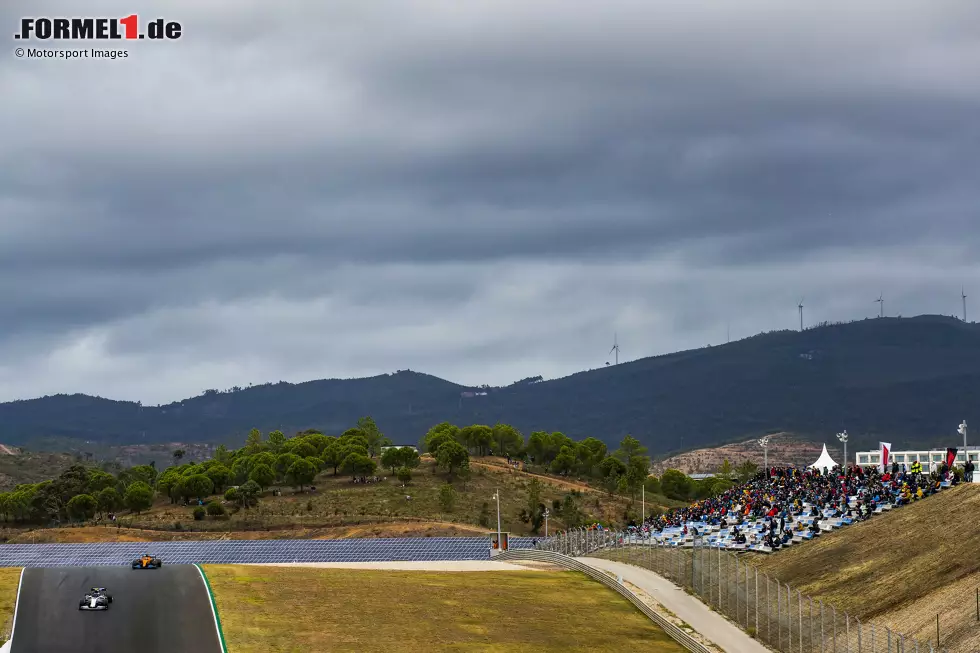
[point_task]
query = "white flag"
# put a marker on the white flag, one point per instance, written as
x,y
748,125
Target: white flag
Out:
x,y
886,450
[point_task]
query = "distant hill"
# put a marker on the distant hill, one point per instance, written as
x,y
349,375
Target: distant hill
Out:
x,y
908,380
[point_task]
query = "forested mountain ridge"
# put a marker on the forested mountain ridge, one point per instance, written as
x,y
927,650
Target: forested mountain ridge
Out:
x,y
907,380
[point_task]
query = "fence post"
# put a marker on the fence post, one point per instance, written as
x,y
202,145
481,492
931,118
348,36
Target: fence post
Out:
x,y
799,596
757,634
748,606
834,612
823,636
789,618
872,638
728,589
811,623
768,612
889,632
737,619
859,633
847,633
779,614
694,556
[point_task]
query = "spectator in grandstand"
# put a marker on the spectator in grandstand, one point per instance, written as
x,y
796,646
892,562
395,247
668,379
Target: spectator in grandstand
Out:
x,y
778,495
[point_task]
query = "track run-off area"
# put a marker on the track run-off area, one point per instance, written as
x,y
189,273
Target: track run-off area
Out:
x,y
153,611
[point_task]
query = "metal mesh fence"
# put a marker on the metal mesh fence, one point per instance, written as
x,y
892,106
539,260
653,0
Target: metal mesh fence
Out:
x,y
775,613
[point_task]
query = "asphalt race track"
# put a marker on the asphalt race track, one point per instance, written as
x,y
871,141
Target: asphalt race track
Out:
x,y
153,610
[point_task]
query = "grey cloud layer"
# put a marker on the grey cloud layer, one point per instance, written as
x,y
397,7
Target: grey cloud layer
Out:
x,y
482,191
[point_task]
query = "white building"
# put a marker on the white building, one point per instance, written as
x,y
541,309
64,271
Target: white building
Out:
x,y
402,446
930,458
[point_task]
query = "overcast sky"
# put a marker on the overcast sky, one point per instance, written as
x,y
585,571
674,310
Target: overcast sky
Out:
x,y
482,190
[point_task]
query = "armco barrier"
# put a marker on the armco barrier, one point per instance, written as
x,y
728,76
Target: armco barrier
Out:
x,y
673,631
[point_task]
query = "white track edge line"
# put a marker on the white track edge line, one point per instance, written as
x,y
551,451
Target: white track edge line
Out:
x,y
13,625
214,613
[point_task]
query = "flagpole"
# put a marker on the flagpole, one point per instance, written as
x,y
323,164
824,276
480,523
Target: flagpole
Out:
x,y
643,504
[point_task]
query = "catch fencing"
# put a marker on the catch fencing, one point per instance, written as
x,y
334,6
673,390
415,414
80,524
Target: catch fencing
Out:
x,y
782,617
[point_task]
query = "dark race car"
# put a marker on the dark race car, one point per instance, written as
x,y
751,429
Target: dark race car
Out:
x,y
146,561
96,599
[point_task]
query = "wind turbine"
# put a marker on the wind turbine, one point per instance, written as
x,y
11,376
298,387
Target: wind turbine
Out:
x,y
615,347
881,305
801,313
963,295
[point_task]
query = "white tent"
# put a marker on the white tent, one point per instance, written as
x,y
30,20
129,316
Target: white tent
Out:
x,y
824,460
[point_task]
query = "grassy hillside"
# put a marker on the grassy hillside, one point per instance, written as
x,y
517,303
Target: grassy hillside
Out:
x,y
30,467
901,569
339,508
907,379
338,502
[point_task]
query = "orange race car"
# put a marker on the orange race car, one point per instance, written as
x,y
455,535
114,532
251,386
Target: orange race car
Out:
x,y
146,561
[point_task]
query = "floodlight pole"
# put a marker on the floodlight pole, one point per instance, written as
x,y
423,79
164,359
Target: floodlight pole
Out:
x,y
764,443
643,504
842,436
496,495
547,513
966,454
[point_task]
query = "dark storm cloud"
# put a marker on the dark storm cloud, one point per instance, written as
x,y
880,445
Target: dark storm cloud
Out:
x,y
483,191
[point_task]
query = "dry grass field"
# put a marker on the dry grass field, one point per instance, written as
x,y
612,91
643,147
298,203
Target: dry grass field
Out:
x,y
308,610
9,580
901,569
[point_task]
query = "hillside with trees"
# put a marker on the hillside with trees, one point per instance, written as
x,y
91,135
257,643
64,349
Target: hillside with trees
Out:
x,y
313,480
907,380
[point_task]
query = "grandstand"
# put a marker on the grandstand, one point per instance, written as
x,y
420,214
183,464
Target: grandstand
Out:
x,y
780,509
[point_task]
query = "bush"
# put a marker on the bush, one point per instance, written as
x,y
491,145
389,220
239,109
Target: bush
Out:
x,y
215,509
199,513
447,497
404,474
178,526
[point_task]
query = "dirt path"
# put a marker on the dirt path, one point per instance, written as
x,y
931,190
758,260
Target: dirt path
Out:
x,y
7,450
568,485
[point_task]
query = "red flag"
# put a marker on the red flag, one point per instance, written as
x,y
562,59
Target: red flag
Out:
x,y
886,449
950,456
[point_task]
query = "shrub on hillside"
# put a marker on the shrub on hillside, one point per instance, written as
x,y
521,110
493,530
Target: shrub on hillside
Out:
x,y
215,509
405,475
447,497
199,513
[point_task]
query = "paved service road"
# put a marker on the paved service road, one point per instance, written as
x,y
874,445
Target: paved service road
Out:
x,y
703,619
153,610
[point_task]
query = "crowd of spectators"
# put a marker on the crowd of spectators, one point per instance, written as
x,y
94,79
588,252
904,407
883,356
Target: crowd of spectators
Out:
x,y
792,501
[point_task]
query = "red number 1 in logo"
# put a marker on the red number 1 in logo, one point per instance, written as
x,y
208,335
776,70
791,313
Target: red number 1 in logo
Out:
x,y
130,22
